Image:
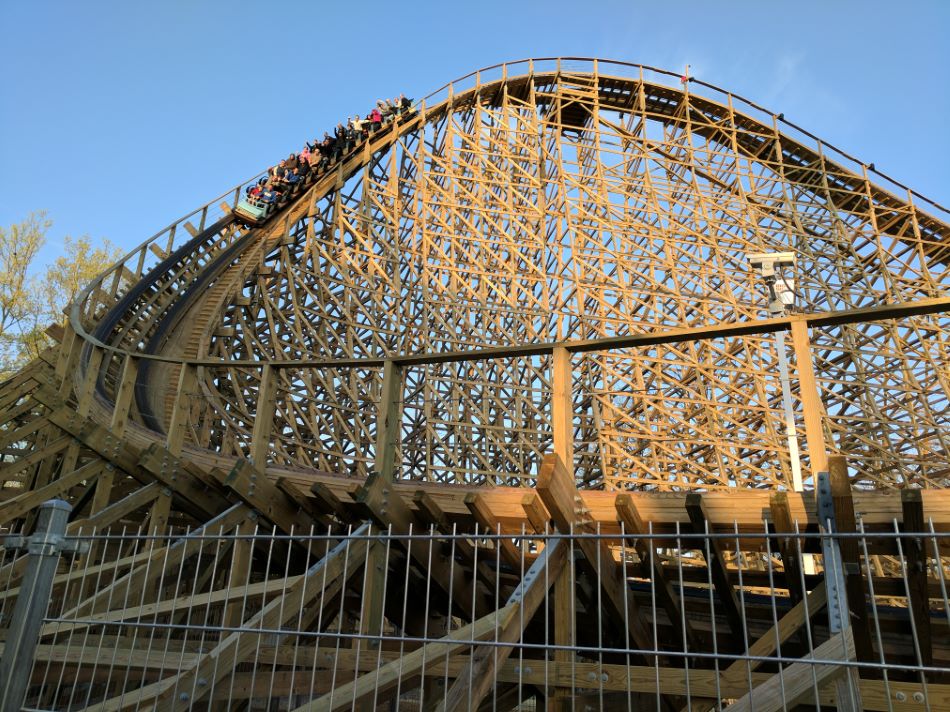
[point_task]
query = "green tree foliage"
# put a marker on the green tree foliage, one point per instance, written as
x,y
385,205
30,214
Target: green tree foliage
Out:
x,y
31,298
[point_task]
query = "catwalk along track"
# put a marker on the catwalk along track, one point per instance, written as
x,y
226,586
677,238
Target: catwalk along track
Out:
x,y
577,384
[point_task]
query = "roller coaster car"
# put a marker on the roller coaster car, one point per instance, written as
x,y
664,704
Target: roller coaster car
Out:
x,y
254,214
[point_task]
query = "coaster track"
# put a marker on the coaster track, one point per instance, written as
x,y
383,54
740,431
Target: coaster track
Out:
x,y
525,308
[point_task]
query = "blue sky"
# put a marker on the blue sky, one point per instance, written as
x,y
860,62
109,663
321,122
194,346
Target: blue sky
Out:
x,y
118,117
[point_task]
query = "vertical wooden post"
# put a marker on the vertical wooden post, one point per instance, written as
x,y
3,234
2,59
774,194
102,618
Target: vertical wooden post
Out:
x,y
123,396
158,514
100,499
84,403
241,554
562,407
264,417
846,523
915,555
811,402
562,427
187,380
563,632
88,388
388,421
371,610
71,342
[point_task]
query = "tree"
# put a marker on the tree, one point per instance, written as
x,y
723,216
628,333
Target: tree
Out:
x,y
29,303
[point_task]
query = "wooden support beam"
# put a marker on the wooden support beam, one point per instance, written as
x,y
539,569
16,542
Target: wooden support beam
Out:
x,y
159,512
628,515
612,678
389,421
537,514
724,508
768,642
21,504
851,558
559,493
915,555
812,408
488,524
562,408
388,508
375,577
325,578
412,664
564,624
477,679
714,554
181,411
788,546
145,575
24,431
242,554
106,516
103,493
256,490
264,417
326,502
799,683
431,513
10,470
158,463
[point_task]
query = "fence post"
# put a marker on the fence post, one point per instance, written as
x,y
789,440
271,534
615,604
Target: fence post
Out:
x,y
847,685
43,550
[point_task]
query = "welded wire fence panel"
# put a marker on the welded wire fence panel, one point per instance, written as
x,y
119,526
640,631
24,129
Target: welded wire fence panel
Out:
x,y
234,617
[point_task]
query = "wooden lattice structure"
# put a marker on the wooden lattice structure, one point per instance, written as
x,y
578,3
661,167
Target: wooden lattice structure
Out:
x,y
524,307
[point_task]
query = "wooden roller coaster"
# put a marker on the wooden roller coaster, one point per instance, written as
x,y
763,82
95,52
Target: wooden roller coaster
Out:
x,y
497,413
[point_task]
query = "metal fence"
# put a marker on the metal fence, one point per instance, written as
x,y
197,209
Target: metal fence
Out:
x,y
368,619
